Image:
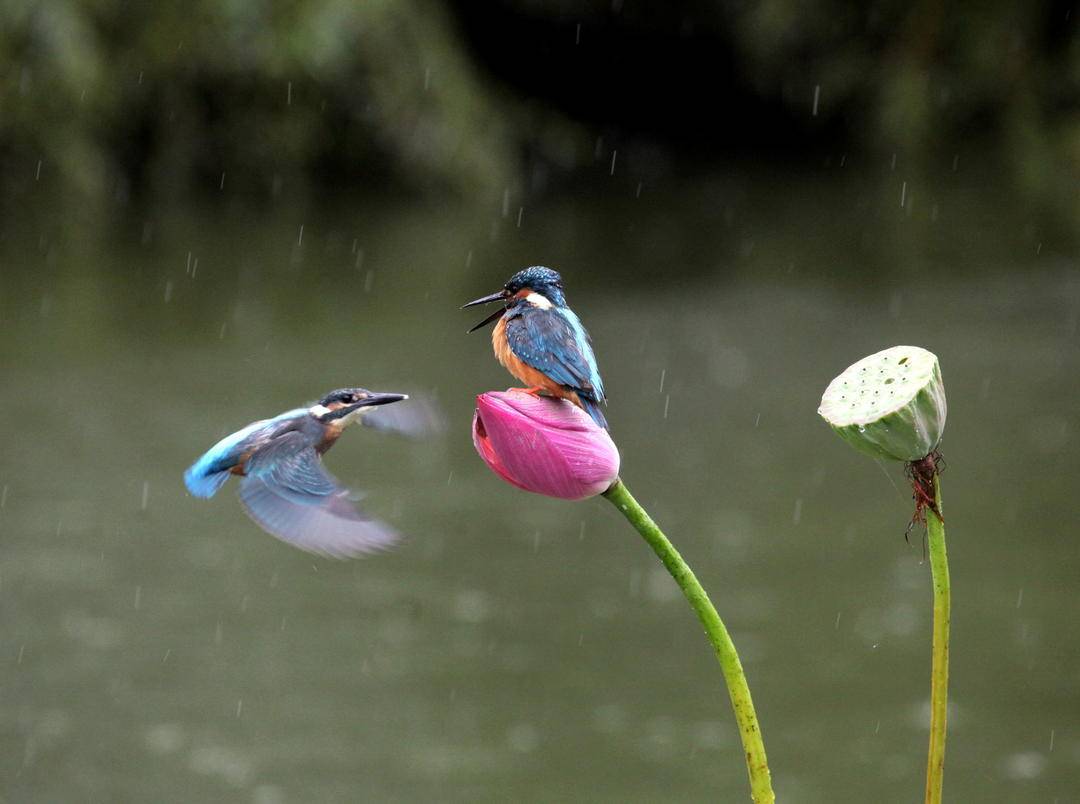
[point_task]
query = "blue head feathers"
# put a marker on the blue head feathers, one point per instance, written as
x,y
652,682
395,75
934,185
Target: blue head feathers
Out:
x,y
543,280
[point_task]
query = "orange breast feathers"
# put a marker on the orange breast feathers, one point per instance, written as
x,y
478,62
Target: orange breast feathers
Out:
x,y
533,378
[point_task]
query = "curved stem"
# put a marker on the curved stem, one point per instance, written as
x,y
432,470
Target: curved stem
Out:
x,y
939,672
756,764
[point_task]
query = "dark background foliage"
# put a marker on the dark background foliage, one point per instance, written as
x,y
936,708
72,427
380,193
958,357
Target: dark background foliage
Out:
x,y
172,99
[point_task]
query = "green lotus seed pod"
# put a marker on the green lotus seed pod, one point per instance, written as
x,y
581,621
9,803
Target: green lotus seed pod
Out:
x,y
889,405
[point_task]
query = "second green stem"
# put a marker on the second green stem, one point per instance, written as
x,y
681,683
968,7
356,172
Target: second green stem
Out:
x,y
754,748
939,671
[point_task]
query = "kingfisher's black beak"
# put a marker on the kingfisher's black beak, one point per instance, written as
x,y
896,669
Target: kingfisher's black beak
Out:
x,y
378,399
369,401
494,297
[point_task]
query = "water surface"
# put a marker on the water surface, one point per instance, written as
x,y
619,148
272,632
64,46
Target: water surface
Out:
x,y
161,648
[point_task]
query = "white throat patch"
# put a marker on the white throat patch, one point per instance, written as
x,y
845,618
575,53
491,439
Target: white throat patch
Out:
x,y
539,300
318,411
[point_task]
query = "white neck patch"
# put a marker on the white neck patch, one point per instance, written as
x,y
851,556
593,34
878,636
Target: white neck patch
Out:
x,y
539,300
318,411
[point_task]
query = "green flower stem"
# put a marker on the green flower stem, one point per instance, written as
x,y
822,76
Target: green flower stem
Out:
x,y
939,672
756,764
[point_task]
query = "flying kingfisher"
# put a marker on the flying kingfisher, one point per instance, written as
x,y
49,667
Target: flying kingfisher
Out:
x,y
284,486
541,341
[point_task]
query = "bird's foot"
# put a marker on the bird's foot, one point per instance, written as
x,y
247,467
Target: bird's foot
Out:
x,y
536,390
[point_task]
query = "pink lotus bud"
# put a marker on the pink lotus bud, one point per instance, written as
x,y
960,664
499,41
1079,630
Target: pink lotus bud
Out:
x,y
544,445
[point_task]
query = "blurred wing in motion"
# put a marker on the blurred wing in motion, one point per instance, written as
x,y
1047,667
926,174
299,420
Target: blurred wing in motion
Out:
x,y
291,496
420,417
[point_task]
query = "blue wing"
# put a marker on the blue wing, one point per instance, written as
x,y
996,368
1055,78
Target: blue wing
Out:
x,y
555,343
290,495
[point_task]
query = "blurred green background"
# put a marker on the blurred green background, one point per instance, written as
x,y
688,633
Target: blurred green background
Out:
x,y
211,212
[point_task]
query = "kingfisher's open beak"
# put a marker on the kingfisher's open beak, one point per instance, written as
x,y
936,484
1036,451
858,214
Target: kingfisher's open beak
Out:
x,y
494,297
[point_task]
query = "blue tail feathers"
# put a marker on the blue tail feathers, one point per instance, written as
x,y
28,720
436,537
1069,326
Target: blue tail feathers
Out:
x,y
593,409
202,483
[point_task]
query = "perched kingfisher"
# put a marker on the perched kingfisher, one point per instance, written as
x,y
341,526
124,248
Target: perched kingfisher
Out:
x,y
285,488
542,342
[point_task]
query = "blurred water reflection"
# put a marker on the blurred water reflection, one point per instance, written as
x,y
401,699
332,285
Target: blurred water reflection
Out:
x,y
158,648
